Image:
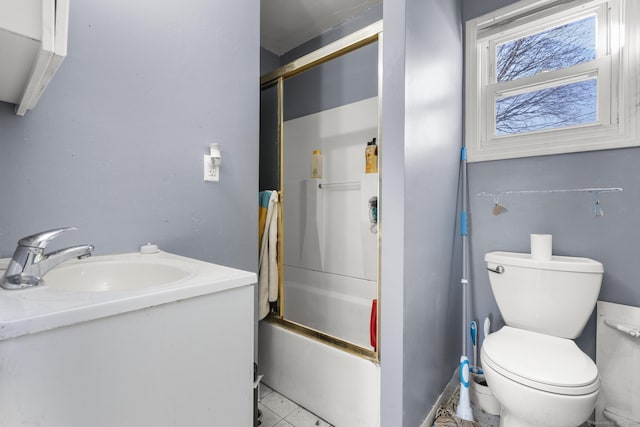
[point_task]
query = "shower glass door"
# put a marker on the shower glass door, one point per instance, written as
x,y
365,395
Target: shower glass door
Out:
x,y
329,185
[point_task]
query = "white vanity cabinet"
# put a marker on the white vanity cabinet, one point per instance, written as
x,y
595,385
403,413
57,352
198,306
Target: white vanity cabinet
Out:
x,y
143,350
33,43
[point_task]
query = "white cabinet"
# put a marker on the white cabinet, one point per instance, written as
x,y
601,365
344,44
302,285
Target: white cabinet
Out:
x,y
149,348
33,43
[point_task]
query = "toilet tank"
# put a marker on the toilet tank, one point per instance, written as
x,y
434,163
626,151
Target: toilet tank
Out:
x,y
554,297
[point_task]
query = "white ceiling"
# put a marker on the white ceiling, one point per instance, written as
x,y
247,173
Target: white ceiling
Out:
x,y
285,24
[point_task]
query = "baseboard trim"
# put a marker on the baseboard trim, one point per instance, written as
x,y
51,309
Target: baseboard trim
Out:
x,y
444,397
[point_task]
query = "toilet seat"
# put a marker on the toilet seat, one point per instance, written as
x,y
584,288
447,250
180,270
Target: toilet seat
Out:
x,y
544,362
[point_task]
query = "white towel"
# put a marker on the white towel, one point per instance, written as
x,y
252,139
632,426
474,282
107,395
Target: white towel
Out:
x,y
268,266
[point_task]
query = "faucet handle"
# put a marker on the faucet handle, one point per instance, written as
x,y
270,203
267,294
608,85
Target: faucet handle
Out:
x,y
40,240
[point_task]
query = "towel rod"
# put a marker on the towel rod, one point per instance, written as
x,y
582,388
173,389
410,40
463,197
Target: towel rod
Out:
x,y
619,420
569,190
353,185
629,330
498,208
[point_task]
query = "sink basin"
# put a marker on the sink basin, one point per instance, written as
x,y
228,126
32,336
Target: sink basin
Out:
x,y
113,275
100,286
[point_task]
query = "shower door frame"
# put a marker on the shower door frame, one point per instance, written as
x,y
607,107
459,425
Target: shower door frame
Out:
x,y
363,37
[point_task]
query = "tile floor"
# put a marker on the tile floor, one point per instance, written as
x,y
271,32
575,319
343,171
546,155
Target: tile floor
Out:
x,y
278,411
485,420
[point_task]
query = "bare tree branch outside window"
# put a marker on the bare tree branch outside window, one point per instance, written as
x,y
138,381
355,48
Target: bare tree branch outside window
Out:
x,y
554,107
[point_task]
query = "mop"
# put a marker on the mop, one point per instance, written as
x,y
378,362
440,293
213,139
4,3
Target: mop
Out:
x,y
463,415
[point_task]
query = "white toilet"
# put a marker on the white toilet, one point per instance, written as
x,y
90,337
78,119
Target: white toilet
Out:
x,y
532,366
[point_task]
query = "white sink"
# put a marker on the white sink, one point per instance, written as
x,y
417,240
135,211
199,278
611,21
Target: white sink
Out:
x,y
100,286
113,275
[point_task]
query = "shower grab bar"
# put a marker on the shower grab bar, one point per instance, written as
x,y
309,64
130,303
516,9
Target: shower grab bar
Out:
x,y
353,185
629,330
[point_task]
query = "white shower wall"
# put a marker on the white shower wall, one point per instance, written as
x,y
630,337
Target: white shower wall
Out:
x,y
330,251
341,134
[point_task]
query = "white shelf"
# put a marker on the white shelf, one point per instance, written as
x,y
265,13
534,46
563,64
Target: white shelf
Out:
x,y
33,43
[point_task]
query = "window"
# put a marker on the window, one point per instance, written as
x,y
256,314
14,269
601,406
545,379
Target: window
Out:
x,y
549,76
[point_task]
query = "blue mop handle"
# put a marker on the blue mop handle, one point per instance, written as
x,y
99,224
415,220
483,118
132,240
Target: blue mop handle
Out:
x,y
464,229
464,232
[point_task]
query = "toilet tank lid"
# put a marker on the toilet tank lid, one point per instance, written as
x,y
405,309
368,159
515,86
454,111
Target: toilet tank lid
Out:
x,y
557,263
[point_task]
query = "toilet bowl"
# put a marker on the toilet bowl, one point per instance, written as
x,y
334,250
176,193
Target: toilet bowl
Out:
x,y
539,380
535,370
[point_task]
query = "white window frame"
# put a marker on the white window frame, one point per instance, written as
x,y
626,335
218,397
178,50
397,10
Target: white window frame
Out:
x,y
616,68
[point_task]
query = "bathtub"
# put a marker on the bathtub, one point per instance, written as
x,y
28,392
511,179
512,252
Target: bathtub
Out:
x,y
129,340
336,385
340,387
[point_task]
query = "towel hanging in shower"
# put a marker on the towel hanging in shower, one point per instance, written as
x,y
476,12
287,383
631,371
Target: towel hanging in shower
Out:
x,y
268,239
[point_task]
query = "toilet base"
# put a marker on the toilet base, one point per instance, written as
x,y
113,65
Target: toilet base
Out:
x,y
523,406
508,420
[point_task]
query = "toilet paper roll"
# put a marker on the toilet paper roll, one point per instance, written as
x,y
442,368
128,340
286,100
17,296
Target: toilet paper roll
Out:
x,y
541,246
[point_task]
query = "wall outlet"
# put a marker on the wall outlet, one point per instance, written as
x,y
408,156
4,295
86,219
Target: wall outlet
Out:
x,y
211,171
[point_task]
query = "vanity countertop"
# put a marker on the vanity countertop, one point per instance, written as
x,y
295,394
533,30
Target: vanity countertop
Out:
x,y
43,307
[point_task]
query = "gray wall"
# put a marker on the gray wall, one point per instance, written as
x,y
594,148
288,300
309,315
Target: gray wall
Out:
x,y
420,152
611,239
115,145
341,81
269,137
269,61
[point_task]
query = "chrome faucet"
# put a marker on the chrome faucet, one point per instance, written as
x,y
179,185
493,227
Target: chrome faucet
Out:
x,y
29,262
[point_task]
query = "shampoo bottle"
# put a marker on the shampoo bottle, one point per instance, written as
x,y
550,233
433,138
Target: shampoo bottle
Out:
x,y
371,157
316,164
